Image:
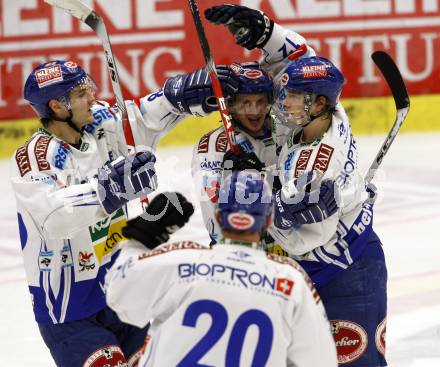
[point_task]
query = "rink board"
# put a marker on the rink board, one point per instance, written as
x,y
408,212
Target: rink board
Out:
x,y
367,115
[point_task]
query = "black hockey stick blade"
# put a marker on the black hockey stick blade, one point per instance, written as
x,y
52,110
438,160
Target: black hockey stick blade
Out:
x,y
392,75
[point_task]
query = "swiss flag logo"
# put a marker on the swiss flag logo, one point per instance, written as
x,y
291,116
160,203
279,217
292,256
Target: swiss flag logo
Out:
x,y
284,286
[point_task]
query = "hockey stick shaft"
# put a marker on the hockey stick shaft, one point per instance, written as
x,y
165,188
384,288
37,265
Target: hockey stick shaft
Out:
x,y
224,113
397,86
88,16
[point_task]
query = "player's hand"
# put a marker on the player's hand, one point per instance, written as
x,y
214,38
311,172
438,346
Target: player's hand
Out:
x,y
241,161
192,93
167,212
251,28
126,179
297,204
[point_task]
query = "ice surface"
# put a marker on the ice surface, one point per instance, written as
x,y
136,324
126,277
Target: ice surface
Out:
x,y
407,219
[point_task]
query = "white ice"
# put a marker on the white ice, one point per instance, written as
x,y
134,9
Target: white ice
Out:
x,y
407,219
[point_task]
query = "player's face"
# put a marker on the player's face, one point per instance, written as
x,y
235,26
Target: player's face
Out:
x,y
250,111
293,111
82,99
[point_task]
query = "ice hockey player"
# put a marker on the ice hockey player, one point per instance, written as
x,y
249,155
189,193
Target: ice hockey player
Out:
x,y
339,250
72,180
231,304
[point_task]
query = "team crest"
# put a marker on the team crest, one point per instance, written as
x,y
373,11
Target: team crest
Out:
x,y
110,355
86,261
350,338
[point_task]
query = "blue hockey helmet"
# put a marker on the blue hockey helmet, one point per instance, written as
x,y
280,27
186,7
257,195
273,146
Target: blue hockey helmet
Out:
x,y
245,202
315,75
253,79
53,80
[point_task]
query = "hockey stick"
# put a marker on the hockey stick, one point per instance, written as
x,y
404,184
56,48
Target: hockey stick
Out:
x,y
88,16
226,117
397,86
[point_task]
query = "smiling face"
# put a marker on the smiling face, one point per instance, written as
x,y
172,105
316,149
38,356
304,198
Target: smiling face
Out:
x,y
250,110
81,101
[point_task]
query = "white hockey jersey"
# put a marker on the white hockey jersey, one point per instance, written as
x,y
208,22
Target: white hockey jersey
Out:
x,y
207,167
230,305
68,241
332,245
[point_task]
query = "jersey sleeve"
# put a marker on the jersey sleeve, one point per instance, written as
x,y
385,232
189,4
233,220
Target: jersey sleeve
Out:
x,y
312,342
153,119
45,188
284,46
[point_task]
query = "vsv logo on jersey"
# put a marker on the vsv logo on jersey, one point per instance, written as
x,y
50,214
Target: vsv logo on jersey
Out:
x,y
238,275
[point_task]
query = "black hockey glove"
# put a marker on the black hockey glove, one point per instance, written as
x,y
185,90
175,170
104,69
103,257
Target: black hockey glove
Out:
x,y
191,92
167,212
241,161
251,28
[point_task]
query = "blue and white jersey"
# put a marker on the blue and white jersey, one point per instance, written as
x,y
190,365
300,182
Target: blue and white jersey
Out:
x,y
332,245
68,240
227,305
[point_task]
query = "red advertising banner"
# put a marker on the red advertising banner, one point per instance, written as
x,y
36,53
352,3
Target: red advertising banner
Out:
x,y
154,39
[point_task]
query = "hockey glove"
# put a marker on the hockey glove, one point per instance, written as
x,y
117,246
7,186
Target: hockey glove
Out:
x,y
126,179
191,92
241,161
166,213
251,28
295,205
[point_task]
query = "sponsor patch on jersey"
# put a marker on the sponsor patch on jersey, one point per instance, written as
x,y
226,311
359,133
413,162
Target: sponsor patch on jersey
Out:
x,y
303,160
45,260
284,79
40,151
49,75
211,165
22,159
221,143
86,261
288,261
350,338
285,286
211,186
204,144
183,245
380,337
323,157
110,355
314,71
99,116
241,221
107,235
61,153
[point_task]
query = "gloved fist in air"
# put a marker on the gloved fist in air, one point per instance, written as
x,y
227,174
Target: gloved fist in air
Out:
x,y
126,179
192,93
241,161
251,28
296,204
167,212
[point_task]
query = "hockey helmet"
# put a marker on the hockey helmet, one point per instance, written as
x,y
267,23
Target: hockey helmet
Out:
x,y
54,80
315,75
245,202
253,79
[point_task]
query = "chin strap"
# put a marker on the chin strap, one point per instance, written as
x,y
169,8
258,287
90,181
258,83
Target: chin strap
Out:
x,y
67,120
